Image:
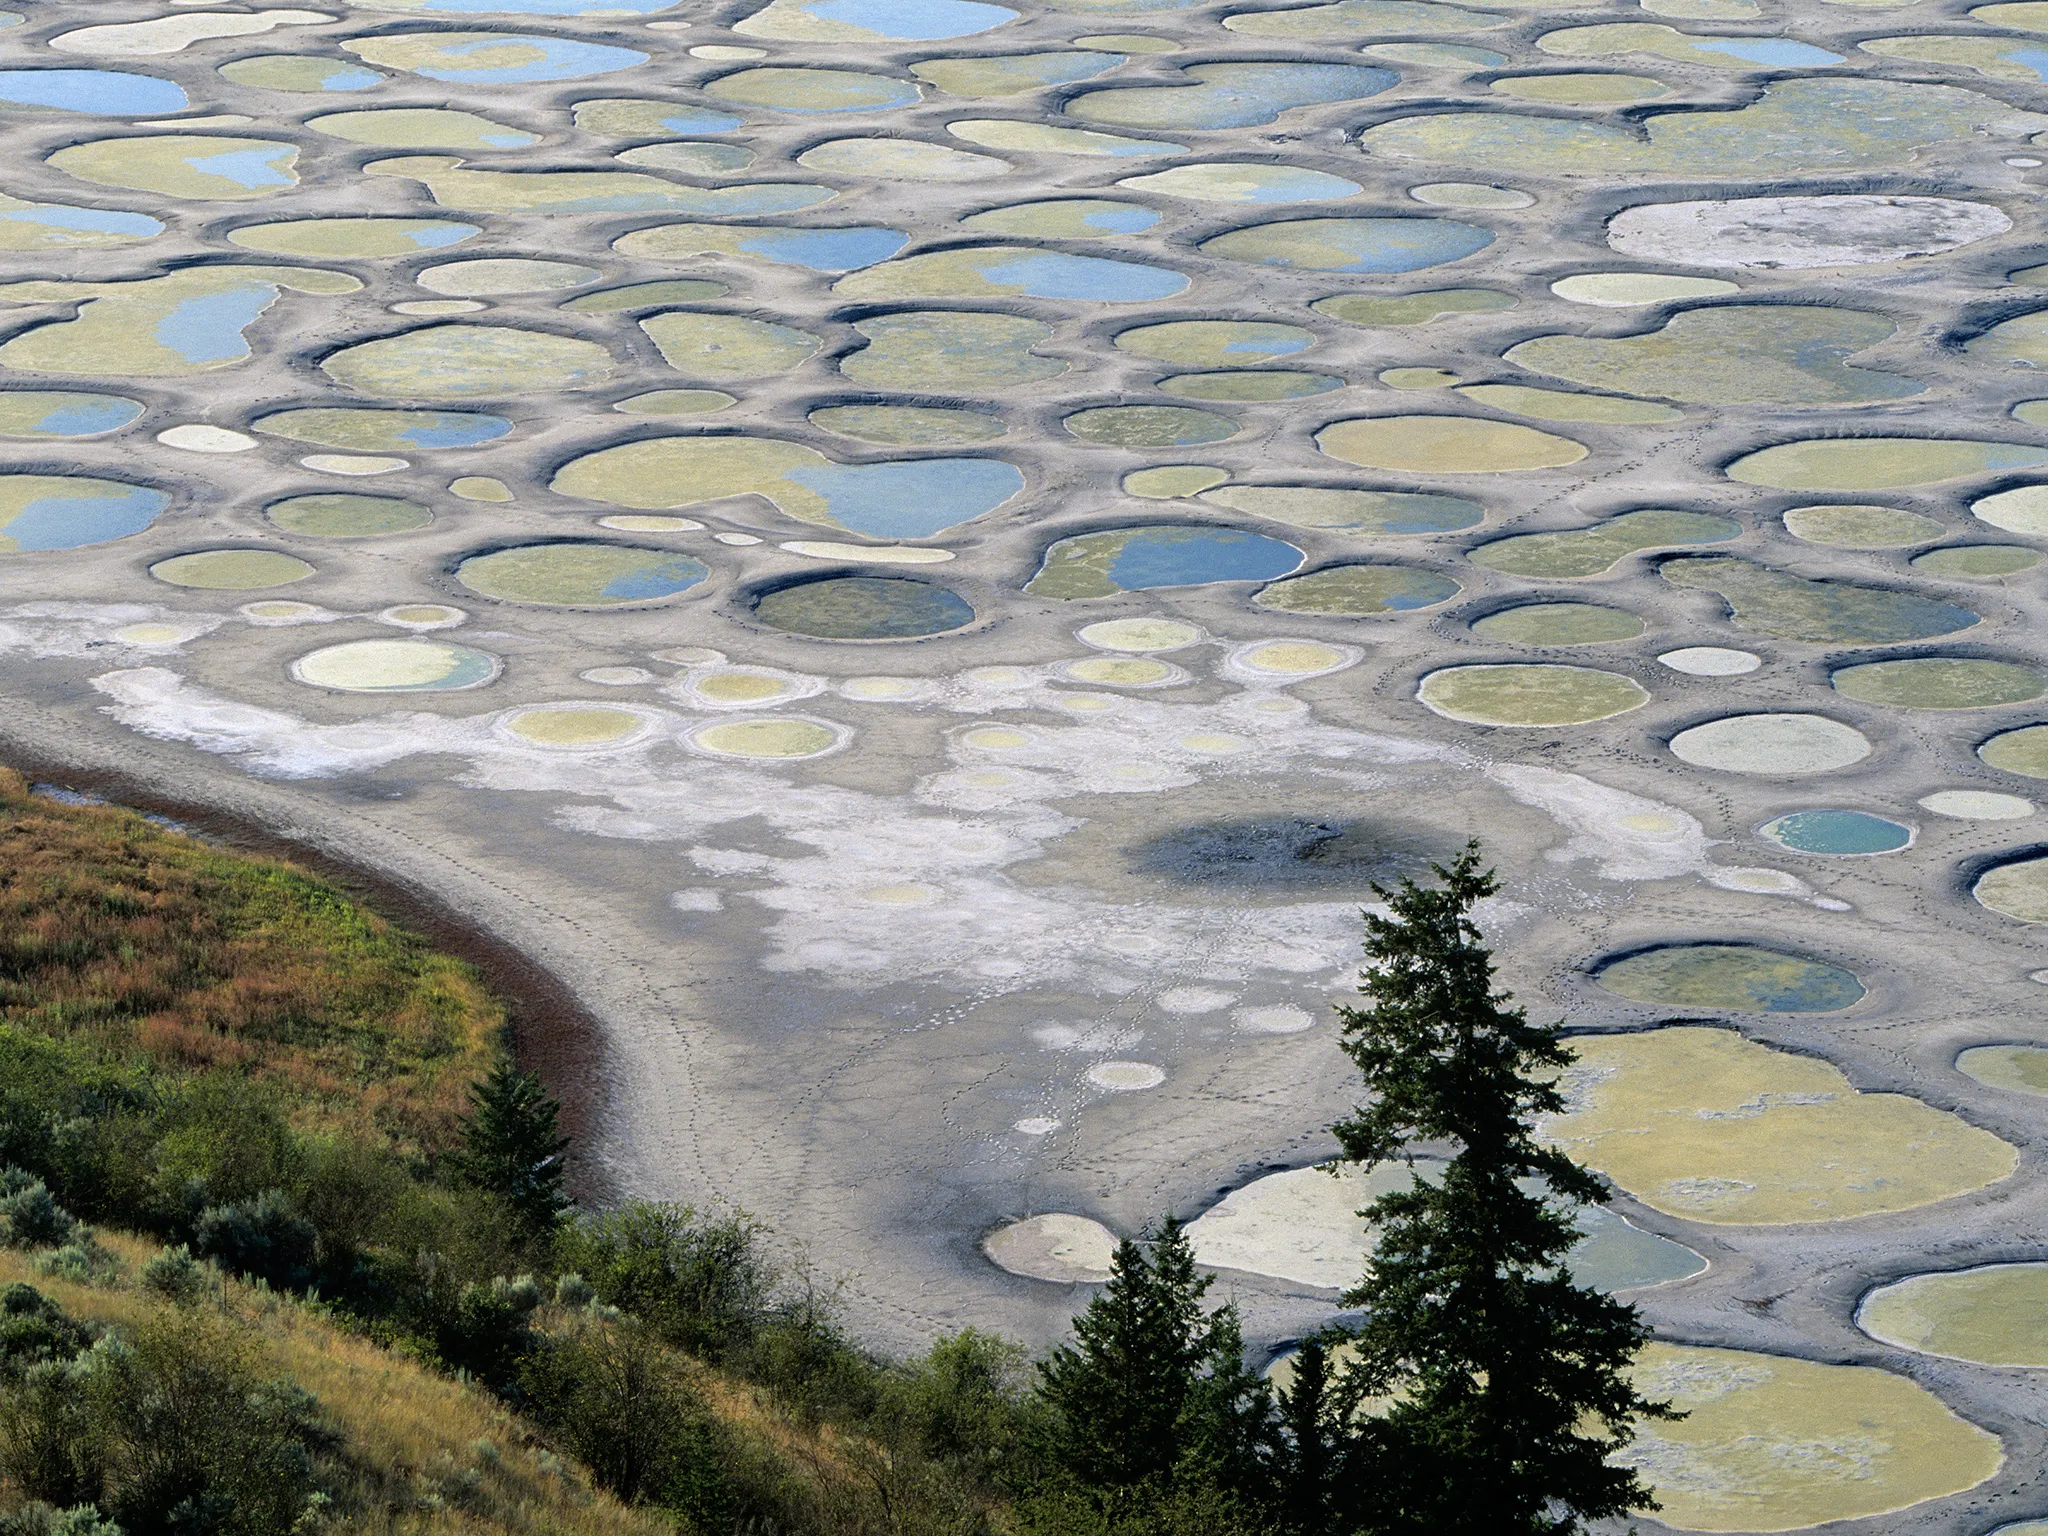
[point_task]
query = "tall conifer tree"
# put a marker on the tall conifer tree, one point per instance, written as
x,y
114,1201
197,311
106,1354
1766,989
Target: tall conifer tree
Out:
x,y
1510,1381
513,1145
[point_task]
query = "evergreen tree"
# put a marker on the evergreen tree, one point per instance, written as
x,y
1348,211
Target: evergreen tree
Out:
x,y
1311,1439
1154,1398
513,1146
1510,1379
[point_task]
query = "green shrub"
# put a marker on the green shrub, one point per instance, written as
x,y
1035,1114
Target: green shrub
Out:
x,y
29,1214
178,1277
700,1282
264,1238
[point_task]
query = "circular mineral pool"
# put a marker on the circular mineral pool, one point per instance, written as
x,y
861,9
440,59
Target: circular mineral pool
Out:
x,y
63,413
863,608
2022,510
1149,426
1532,694
649,522
1836,832
1074,218
1116,560
1353,591
675,402
1273,1019
1772,744
2021,1068
909,426
1292,659
485,277
1741,977
2024,751
1216,343
1632,290
579,575
396,666
1351,245
1065,1249
1170,482
1711,661
782,738
1977,562
742,687
458,362
198,437
1140,636
420,617
2017,890
232,570
1995,1314
662,290
1941,682
385,431
1250,386
1125,1076
1469,194
1582,90
1558,624
1861,527
1122,672
479,488
344,516
1977,805
585,727
1455,445
1882,464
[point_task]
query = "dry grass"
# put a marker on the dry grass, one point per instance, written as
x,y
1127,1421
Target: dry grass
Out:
x,y
423,1455
138,940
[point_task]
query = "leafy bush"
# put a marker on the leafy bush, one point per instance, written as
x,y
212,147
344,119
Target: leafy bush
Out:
x,y
178,1277
33,1329
700,1282
37,1519
29,1214
265,1238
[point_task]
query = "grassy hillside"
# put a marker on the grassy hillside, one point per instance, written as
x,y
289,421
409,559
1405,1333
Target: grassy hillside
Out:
x,y
138,942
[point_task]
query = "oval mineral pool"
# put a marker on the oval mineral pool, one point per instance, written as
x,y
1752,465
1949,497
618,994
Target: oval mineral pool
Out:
x,y
1878,463
580,575
1069,218
1739,977
1216,343
1171,482
1941,682
1292,660
1633,290
1977,562
50,512
1976,805
1530,694
1149,426
1354,591
101,92
64,413
1469,194
1237,93
1558,624
1138,559
1406,309
458,362
489,276
863,608
675,402
1565,405
1352,511
184,165
1013,271
577,727
1139,636
421,128
492,58
781,739
2016,890
2024,751
232,570
1067,1250
1250,386
667,290
2019,1068
1248,182
1456,445
307,74
1792,607
900,160
379,431
1772,744
1582,90
396,666
1351,245
869,21
1843,833
1996,1314
1861,527
726,347
811,90
343,516
1581,552
1711,661
342,239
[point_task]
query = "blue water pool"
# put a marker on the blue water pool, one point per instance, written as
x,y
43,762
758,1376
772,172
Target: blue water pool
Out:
x,y
1771,52
85,415
264,165
99,511
103,92
99,221
1836,832
1056,275
1352,245
699,120
207,328
913,21
561,59
826,250
661,579
350,77
912,500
